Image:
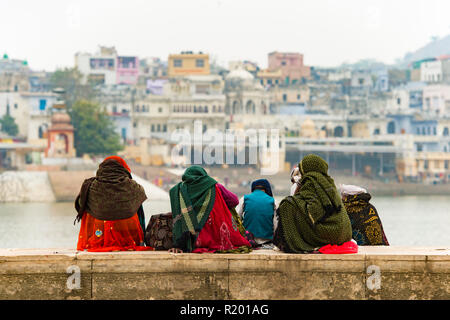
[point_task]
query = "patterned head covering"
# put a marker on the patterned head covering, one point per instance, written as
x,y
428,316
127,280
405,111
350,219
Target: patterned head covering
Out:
x,y
263,183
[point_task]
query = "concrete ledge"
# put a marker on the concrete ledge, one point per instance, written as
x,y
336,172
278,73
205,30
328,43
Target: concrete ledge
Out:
x,y
373,273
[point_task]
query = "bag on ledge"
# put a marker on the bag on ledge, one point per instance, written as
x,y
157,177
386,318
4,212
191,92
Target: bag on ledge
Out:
x,y
159,232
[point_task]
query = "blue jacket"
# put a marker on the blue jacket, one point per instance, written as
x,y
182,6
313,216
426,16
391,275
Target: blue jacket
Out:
x,y
258,214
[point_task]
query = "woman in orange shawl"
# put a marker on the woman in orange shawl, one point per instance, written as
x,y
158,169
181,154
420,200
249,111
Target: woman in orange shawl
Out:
x,y
109,206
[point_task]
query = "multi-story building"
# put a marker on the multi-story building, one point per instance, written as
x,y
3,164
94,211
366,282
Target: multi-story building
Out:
x,y
293,71
14,74
409,96
431,71
188,63
436,99
107,67
127,70
245,96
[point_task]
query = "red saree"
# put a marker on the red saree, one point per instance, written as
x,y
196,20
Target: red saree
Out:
x,y
115,235
219,233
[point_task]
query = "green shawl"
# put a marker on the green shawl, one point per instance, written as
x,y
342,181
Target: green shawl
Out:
x,y
315,215
192,201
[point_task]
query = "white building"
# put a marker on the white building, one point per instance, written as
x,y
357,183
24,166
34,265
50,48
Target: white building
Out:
x,y
100,67
30,111
431,71
436,99
183,101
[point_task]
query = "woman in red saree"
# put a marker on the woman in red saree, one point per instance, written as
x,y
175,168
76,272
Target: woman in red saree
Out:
x,y
201,217
109,206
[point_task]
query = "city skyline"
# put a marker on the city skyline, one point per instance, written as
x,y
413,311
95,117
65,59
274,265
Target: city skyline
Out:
x,y
48,34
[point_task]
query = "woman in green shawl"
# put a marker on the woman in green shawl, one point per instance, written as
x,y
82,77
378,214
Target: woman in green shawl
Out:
x,y
314,217
202,220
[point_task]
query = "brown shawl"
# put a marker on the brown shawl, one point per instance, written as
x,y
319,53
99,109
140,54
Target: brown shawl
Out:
x,y
111,195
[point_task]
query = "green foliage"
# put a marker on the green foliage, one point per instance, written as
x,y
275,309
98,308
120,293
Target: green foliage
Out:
x,y
70,79
94,130
8,125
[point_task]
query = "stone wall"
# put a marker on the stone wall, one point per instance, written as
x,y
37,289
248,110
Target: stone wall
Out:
x,y
373,273
22,186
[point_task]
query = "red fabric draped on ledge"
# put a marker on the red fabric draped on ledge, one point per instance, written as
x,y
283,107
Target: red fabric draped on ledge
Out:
x,y
116,235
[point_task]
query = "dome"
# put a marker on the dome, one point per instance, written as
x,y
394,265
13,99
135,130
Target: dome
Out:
x,y
239,73
308,123
60,118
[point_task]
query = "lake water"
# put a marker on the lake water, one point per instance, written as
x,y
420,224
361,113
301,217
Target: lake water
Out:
x,y
407,221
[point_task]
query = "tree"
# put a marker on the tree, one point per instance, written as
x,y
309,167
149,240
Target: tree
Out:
x,y
8,125
70,79
94,130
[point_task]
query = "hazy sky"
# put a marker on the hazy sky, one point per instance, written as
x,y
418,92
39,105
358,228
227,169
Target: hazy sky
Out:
x,y
328,32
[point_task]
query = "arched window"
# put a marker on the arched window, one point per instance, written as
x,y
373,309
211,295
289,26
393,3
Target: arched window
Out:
x,y
338,131
250,107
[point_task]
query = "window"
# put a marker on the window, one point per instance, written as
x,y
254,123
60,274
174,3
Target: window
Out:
x,y
425,165
158,128
199,63
177,63
399,101
284,97
153,128
164,127
361,81
42,104
446,164
159,109
283,63
15,106
298,97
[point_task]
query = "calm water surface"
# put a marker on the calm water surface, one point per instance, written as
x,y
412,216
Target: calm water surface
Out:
x,y
409,221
